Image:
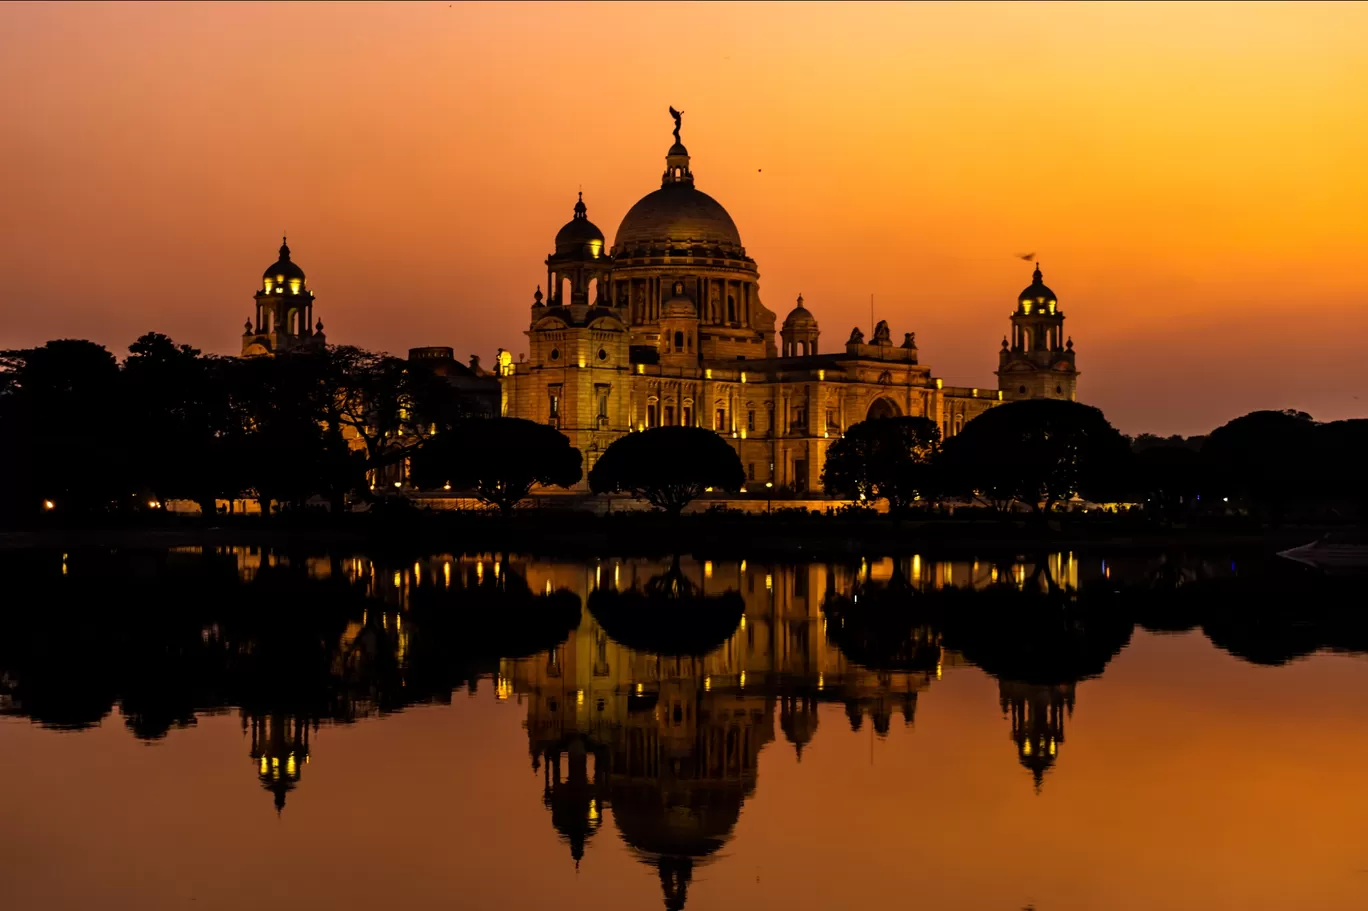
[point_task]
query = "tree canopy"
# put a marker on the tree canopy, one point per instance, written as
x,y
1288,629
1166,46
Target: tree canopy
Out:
x,y
891,459
1038,452
500,459
668,467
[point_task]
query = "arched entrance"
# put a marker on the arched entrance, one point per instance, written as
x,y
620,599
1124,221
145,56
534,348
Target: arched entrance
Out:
x,y
883,408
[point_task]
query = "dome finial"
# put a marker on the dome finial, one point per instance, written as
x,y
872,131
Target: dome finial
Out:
x,y
800,298
284,247
581,210
1036,274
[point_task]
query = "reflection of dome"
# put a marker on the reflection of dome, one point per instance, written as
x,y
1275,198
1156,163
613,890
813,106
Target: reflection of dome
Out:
x,y
283,270
798,719
1037,293
578,232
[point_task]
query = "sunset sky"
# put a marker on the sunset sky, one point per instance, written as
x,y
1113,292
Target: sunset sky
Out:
x,y
1194,178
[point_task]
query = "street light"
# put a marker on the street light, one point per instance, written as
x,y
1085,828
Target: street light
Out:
x,y
769,498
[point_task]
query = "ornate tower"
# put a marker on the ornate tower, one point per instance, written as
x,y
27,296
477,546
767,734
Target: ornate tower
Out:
x,y
579,261
800,332
1037,363
284,311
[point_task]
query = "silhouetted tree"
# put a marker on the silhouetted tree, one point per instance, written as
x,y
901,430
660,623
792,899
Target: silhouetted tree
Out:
x,y
62,427
1264,457
1171,478
500,459
668,467
885,458
1038,452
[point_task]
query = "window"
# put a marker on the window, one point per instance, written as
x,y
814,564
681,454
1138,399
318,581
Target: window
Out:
x,y
688,415
1022,390
603,404
555,402
669,415
555,354
1059,390
651,416
831,418
731,309
800,416
721,420
750,421
750,471
679,341
603,354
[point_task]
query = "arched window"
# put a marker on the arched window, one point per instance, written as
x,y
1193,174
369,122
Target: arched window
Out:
x,y
679,341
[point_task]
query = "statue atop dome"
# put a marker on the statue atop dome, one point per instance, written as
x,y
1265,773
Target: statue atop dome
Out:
x,y
678,119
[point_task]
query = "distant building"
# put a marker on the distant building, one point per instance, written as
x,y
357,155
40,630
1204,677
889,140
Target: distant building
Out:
x,y
284,318
666,327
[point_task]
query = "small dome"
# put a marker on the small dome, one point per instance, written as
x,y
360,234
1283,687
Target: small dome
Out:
x,y
1037,293
679,307
676,150
578,232
800,317
283,270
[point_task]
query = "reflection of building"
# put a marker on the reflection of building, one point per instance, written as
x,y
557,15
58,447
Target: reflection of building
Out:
x,y
1037,713
666,327
280,747
284,318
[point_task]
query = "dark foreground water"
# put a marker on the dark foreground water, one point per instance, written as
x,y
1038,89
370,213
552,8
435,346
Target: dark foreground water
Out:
x,y
240,729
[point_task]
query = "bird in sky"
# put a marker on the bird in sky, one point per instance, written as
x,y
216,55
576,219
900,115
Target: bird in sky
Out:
x,y
1029,257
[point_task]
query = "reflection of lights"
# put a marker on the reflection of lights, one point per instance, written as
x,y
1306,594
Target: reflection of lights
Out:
x,y
821,681
479,571
49,505
707,684
265,765
398,579
769,582
446,486
743,679
916,567
593,810
1052,746
548,586
290,766
1026,747
502,688
579,697
707,569
446,574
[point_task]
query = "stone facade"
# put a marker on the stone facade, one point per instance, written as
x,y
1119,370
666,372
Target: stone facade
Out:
x,y
667,327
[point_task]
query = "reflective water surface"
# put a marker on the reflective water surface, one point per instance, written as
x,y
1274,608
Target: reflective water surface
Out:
x,y
241,727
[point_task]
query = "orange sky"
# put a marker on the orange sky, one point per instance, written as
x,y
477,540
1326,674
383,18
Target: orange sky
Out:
x,y
1193,177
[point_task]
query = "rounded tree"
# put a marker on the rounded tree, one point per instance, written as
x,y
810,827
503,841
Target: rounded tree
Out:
x,y
884,459
500,459
1038,452
668,467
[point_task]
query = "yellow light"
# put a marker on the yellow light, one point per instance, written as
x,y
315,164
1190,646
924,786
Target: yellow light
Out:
x,y
641,368
743,433
290,765
399,483
743,621
548,586
479,571
446,486
769,483
743,376
821,374
446,574
398,579
707,567
916,567
743,562
1026,307
940,384
1052,746
581,363
275,762
707,490
502,688
769,582
417,571
593,810
743,679
821,681
707,684
265,766
153,504
48,504
707,373
1026,747
579,697
640,688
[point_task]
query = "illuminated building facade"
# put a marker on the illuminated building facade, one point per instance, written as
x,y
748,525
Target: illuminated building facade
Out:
x,y
666,327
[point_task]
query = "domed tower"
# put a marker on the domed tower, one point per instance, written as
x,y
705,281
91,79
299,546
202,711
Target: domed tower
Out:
x,y
1037,363
800,332
681,235
580,261
1037,713
679,330
284,311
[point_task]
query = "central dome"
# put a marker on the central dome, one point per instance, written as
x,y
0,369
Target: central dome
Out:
x,y
677,214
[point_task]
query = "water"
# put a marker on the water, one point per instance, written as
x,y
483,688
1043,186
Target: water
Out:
x,y
230,728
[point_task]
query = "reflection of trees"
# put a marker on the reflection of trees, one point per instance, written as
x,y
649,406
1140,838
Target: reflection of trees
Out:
x,y
165,636
669,615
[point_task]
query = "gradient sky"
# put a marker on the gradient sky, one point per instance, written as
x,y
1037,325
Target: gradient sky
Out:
x,y
1192,176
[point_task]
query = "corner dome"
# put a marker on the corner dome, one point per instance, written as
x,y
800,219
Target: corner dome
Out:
x,y
800,317
1037,292
284,269
578,232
